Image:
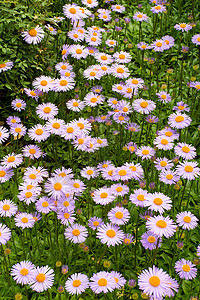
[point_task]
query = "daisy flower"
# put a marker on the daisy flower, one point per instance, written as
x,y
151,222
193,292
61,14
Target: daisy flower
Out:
x,y
77,186
38,133
155,283
142,46
120,118
133,127
122,173
135,83
32,151
104,165
110,234
89,172
84,125
12,160
118,8
185,269
128,239
72,12
95,223
34,35
102,282
66,201
169,176
196,39
64,173
196,85
70,131
34,94
77,283
6,65
158,9
76,35
52,30
24,220
5,234
5,174
183,27
111,43
47,110
43,279
55,126
23,272
35,174
167,131
7,208
43,83
66,216
93,99
158,202
119,189
90,3
159,46
186,220
119,279
163,163
181,106
103,196
145,152
62,84
12,120
188,170
76,233
78,51
136,169
56,187
139,197
106,17
185,151
164,143
179,121
119,71
64,66
138,16
92,73
103,58
17,130
67,74
164,97
149,240
93,40
18,104
44,205
75,105
161,226
4,134
168,40
143,106
119,215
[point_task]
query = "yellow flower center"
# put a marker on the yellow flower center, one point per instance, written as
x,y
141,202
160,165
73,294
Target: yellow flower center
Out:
x,y
90,172
119,189
67,74
140,197
104,57
158,7
32,151
120,70
66,203
187,219
56,125
32,93
75,104
154,281
93,100
169,176
198,39
43,82
66,215
182,25
164,141
76,185
2,173
72,10
111,233
70,130
40,277
163,96
161,224
47,110
63,82
11,159
163,163
168,133
189,169
159,44
179,119
24,220
57,186
140,16
186,268
102,282
93,39
104,195
185,149
96,223
28,194
63,67
76,283
39,131
76,232
158,201
76,36
122,172
2,65
24,272
32,32
151,239
133,168
122,56
45,204
79,51
144,104
32,176
145,152
6,207
81,125
119,215
181,107
64,51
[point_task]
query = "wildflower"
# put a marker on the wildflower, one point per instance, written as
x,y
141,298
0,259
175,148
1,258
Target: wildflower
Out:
x,y
118,215
102,282
7,208
23,272
18,104
139,197
110,234
160,226
188,170
76,233
149,240
186,220
5,234
185,269
77,283
182,27
43,279
6,65
34,35
158,202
